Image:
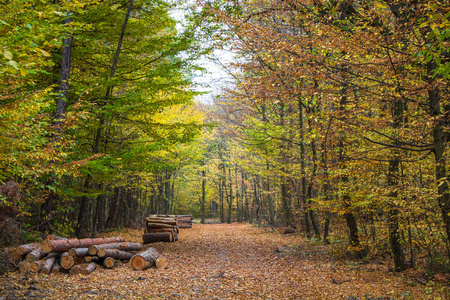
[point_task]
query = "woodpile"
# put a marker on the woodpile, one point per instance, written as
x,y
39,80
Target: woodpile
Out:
x,y
81,256
165,228
184,221
160,228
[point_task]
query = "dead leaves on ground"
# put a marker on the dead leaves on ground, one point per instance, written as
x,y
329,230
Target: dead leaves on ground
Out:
x,y
222,261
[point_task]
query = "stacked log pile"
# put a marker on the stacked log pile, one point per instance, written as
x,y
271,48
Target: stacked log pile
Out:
x,y
184,221
160,228
81,256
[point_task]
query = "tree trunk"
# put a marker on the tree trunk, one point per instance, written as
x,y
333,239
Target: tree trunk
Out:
x,y
111,222
440,144
83,214
230,201
393,211
302,168
203,172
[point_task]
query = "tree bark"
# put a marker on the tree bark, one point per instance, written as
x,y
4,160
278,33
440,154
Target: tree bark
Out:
x,y
114,253
78,251
113,204
83,269
49,262
26,248
157,237
147,259
119,246
65,245
35,255
440,140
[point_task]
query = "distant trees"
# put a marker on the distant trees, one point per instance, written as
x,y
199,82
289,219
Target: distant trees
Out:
x,y
339,106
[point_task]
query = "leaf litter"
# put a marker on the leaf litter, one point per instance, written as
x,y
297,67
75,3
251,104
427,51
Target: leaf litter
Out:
x,y
228,261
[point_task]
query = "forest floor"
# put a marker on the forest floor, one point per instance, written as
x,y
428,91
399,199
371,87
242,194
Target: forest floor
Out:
x,y
235,261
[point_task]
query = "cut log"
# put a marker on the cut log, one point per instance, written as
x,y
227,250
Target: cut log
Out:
x,y
36,266
12,257
56,269
35,255
78,251
153,237
109,263
183,216
67,261
184,220
65,245
160,230
25,249
24,267
285,230
83,269
158,225
119,246
96,259
49,263
89,258
161,221
114,253
184,226
147,259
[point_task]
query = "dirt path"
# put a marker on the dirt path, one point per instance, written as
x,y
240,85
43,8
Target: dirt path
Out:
x,y
224,262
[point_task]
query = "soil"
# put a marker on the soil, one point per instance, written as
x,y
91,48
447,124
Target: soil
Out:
x,y
231,261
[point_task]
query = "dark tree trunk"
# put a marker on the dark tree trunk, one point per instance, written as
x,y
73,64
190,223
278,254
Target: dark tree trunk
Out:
x,y
393,211
111,221
203,194
311,211
306,210
83,214
440,144
230,197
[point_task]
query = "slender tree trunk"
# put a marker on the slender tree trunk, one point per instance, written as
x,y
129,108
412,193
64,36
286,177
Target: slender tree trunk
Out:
x,y
440,139
393,211
65,75
311,211
269,197
203,194
349,217
306,210
113,209
83,214
230,202
61,108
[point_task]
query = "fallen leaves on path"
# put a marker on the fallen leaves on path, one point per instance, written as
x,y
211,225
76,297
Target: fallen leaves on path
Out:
x,y
226,261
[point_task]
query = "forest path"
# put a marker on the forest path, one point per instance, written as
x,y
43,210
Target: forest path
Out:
x,y
223,261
